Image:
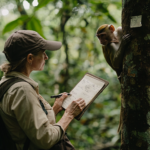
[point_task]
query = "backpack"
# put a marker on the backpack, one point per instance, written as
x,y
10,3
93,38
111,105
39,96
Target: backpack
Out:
x,y
6,142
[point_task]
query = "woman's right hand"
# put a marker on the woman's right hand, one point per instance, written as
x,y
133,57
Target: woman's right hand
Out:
x,y
75,108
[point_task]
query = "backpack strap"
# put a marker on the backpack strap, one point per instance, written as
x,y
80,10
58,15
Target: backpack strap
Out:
x,y
3,89
43,107
7,84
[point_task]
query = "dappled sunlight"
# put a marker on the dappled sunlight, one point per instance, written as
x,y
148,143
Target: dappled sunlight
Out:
x,y
4,12
26,5
35,3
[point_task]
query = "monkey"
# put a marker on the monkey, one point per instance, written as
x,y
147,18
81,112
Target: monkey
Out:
x,y
114,44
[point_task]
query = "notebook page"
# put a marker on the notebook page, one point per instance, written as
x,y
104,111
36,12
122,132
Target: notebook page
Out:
x,y
87,88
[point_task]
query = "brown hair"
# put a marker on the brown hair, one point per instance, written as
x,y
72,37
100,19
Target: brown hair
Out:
x,y
102,28
16,65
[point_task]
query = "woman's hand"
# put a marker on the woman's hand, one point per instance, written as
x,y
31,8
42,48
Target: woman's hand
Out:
x,y
75,108
57,107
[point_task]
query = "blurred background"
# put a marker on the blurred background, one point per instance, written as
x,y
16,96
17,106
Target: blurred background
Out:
x,y
74,23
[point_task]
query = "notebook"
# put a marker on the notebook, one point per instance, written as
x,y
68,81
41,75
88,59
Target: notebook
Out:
x,y
88,88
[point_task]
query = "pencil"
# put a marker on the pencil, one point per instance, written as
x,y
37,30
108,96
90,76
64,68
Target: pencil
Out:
x,y
57,96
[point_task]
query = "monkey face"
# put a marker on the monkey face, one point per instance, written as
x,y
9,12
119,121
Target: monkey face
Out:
x,y
103,38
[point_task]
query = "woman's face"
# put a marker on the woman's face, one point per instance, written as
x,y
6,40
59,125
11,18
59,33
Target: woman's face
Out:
x,y
39,60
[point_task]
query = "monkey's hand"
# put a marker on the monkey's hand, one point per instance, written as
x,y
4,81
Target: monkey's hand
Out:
x,y
117,54
125,40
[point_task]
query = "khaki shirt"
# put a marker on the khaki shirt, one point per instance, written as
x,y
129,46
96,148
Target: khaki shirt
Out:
x,y
23,116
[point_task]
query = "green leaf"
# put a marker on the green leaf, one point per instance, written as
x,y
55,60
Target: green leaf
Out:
x,y
30,1
35,24
95,2
42,3
111,18
15,23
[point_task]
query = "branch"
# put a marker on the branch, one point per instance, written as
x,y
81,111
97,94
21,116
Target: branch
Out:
x,y
22,12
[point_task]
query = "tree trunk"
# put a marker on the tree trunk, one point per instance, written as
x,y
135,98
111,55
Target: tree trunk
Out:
x,y
135,85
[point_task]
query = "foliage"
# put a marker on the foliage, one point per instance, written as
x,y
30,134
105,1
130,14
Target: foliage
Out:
x,y
74,23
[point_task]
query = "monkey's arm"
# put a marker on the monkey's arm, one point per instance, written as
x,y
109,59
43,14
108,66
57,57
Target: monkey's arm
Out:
x,y
117,51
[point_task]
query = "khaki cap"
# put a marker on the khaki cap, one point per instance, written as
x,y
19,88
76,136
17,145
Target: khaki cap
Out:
x,y
23,42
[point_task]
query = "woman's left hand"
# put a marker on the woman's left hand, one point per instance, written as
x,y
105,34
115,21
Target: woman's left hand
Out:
x,y
57,107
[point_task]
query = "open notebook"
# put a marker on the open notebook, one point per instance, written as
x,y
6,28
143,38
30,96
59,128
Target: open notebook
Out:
x,y
88,88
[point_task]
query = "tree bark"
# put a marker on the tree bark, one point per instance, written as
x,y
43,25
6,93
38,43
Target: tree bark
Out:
x,y
135,81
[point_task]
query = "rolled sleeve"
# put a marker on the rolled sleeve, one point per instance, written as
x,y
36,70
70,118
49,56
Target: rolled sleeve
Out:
x,y
32,119
62,130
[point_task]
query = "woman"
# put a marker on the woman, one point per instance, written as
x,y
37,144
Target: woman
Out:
x,y
20,108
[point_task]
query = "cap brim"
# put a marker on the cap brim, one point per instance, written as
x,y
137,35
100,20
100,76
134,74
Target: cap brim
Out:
x,y
52,45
